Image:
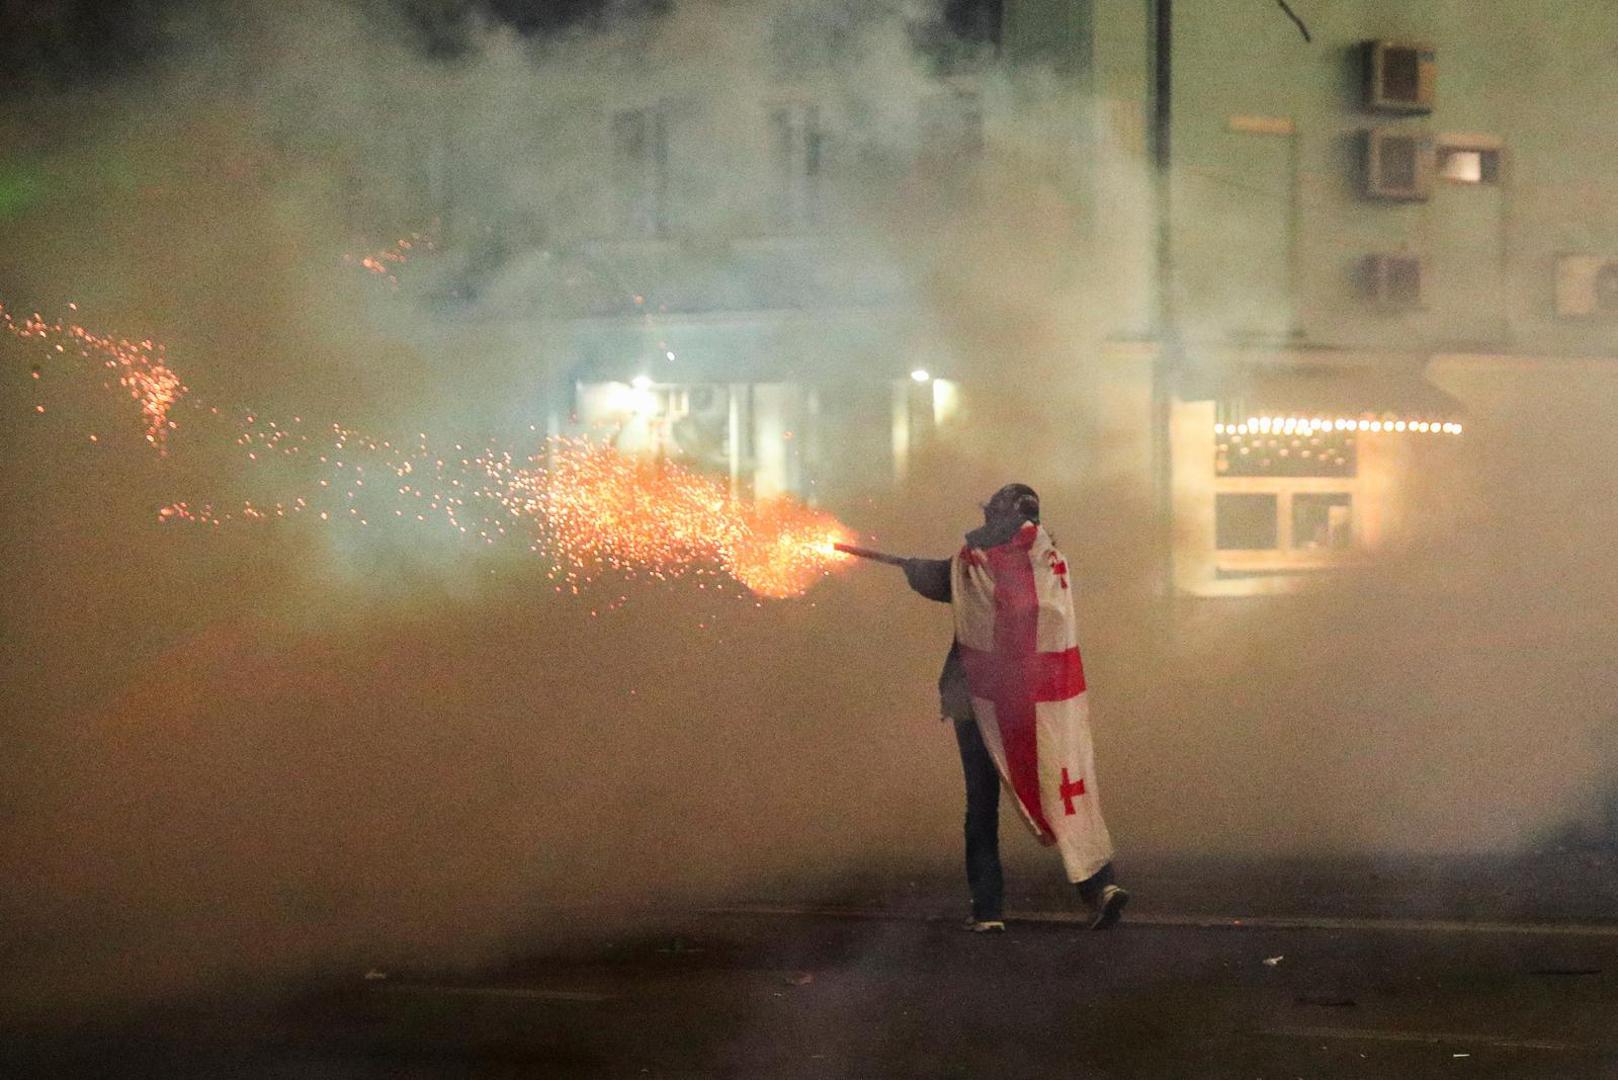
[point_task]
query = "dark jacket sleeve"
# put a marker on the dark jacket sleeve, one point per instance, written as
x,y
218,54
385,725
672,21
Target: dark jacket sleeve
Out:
x,y
929,577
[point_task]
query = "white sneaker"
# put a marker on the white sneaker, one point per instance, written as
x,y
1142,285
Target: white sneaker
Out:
x,y
1110,908
984,926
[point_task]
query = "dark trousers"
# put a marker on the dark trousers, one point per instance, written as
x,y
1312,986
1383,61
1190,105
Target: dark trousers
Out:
x,y
983,874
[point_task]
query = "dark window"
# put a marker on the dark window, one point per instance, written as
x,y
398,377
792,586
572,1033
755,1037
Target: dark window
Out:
x,y
1394,282
975,20
1246,522
640,162
1402,287
1606,288
799,146
1322,520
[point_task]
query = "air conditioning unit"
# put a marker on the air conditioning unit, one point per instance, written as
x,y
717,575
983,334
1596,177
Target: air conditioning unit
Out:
x,y
1393,282
1400,77
1399,164
1586,286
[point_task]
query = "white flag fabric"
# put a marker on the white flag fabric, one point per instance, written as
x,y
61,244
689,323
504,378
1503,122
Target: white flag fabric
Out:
x,y
1014,623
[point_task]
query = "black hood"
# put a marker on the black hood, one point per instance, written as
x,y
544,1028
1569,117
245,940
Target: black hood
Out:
x,y
994,533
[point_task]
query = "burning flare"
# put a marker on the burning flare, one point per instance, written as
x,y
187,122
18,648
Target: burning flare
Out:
x,y
586,505
603,508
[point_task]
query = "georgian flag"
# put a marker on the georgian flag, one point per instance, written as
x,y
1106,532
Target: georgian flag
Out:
x,y
1014,622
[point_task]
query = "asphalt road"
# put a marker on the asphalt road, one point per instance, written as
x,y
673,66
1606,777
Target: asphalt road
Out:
x,y
773,991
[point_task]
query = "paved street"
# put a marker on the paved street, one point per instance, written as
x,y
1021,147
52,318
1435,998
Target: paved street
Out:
x,y
773,990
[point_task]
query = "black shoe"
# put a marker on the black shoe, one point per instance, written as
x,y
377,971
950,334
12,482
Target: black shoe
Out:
x,y
1110,908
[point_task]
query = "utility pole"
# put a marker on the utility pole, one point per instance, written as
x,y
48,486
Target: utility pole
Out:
x,y
1166,364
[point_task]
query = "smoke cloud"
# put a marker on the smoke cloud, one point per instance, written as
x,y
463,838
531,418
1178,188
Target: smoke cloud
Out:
x,y
298,748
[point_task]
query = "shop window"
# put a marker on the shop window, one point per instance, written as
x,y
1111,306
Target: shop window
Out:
x,y
1322,521
1285,491
1247,522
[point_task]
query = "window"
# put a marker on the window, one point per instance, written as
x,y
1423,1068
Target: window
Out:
x,y
1460,165
977,21
1247,522
798,148
640,162
1322,521
1285,491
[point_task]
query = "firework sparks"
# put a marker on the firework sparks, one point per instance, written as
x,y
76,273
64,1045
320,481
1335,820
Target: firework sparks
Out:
x,y
604,509
386,262
141,367
587,506
786,548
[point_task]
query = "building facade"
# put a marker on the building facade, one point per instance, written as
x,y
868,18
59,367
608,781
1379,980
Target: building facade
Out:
x,y
1330,244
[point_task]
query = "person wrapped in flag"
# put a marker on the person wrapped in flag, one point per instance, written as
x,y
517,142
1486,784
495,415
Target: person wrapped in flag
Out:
x,y
1013,684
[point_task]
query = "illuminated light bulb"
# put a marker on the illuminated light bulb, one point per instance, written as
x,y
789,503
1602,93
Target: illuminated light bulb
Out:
x,y
920,375
1219,429
1399,425
641,382
1365,425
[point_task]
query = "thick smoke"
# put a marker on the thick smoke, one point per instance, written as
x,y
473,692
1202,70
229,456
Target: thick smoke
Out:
x,y
249,751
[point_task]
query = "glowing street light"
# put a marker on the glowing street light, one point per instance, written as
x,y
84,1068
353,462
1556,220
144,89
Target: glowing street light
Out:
x,y
921,375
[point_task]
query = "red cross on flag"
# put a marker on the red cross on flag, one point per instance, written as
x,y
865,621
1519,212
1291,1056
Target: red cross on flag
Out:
x,y
1014,622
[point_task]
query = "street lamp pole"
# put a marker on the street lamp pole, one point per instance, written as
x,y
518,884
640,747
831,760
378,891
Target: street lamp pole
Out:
x,y
1166,363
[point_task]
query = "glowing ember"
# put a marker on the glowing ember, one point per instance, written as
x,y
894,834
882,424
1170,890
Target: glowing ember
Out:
x,y
386,263
603,509
585,504
786,548
140,366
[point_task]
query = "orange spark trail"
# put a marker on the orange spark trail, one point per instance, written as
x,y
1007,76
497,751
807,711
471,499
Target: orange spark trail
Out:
x,y
140,366
603,509
385,263
587,506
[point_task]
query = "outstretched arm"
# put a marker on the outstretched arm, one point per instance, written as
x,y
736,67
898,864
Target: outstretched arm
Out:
x,y
929,577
